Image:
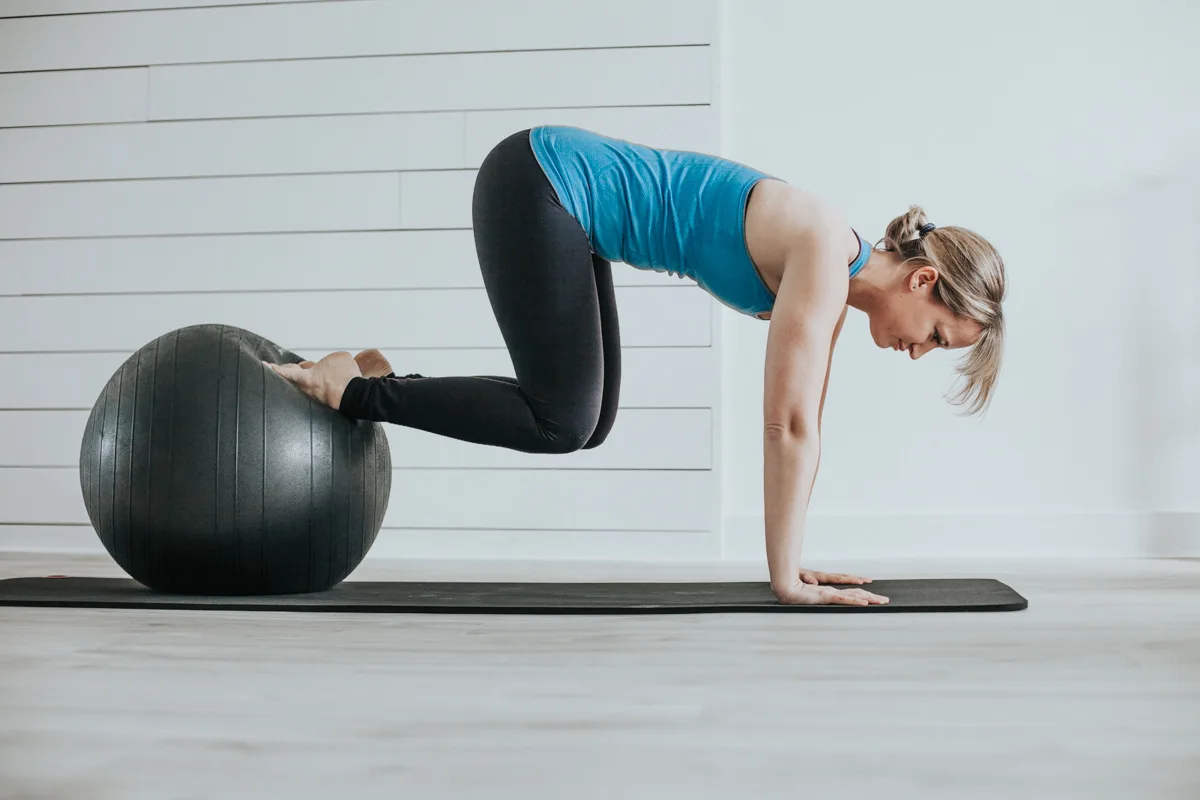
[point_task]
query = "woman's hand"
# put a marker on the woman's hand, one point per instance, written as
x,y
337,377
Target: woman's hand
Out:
x,y
806,594
325,381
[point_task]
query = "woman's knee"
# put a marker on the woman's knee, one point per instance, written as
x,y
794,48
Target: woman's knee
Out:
x,y
584,428
600,433
568,436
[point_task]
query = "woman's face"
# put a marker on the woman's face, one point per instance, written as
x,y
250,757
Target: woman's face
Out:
x,y
912,320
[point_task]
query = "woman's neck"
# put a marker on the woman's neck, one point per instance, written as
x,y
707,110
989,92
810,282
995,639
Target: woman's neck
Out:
x,y
868,287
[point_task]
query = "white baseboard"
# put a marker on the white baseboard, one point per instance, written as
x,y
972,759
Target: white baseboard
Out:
x,y
985,535
408,543
827,538
538,545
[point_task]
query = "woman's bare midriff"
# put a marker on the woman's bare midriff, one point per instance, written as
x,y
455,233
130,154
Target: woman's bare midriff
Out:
x,y
774,212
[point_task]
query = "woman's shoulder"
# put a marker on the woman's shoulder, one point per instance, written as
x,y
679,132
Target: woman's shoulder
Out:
x,y
795,209
781,216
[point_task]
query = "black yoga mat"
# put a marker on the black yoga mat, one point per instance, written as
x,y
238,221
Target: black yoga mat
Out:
x,y
939,594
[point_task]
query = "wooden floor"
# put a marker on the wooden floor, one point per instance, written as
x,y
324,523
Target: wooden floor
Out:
x,y
1091,693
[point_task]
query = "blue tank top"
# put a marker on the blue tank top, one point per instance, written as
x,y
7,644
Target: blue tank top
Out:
x,y
669,211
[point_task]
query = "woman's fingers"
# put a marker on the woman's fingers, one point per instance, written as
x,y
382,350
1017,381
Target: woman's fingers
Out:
x,y
833,577
863,594
809,576
838,597
852,597
805,594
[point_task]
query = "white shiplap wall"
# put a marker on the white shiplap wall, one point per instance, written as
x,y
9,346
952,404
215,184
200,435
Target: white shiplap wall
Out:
x,y
304,170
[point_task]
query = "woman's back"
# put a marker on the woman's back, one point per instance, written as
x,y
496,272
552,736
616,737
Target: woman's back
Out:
x,y
666,210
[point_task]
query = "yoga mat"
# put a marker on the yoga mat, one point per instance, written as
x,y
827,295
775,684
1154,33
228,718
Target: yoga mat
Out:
x,y
938,594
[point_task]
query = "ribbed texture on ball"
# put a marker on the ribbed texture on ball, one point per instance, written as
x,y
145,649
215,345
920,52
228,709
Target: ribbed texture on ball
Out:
x,y
204,472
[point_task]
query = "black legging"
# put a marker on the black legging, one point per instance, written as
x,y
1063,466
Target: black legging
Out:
x,y
556,307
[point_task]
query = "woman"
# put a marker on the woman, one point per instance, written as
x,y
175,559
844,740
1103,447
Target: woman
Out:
x,y
553,206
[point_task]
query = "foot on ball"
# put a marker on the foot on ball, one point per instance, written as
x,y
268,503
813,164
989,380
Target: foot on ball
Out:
x,y
373,364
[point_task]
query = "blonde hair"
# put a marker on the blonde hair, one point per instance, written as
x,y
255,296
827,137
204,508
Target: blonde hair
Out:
x,y
971,285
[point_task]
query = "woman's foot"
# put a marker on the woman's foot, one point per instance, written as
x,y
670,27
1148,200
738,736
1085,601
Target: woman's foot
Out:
x,y
325,381
371,363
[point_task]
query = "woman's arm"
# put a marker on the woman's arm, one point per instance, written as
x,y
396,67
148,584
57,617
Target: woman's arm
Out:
x,y
837,331
807,315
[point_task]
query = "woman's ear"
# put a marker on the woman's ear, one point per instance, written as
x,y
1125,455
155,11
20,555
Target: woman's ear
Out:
x,y
923,277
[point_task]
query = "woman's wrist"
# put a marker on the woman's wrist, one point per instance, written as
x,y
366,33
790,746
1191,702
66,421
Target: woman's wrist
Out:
x,y
783,577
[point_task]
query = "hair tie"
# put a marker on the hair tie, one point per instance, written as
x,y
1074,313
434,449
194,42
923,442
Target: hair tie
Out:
x,y
926,228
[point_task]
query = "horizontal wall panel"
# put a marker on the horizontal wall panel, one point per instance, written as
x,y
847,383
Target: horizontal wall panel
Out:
x,y
32,8
208,205
651,377
370,260
328,261
645,76
365,201
52,539
647,439
68,98
650,317
440,544
694,128
448,498
233,147
11,275
341,29
640,439
436,199
289,145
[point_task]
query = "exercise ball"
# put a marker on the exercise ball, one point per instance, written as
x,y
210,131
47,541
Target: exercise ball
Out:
x,y
204,472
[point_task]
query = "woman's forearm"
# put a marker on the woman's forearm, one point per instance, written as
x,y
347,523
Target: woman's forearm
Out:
x,y
789,469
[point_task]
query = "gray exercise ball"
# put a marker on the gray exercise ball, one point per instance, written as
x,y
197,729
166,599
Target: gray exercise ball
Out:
x,y
204,472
